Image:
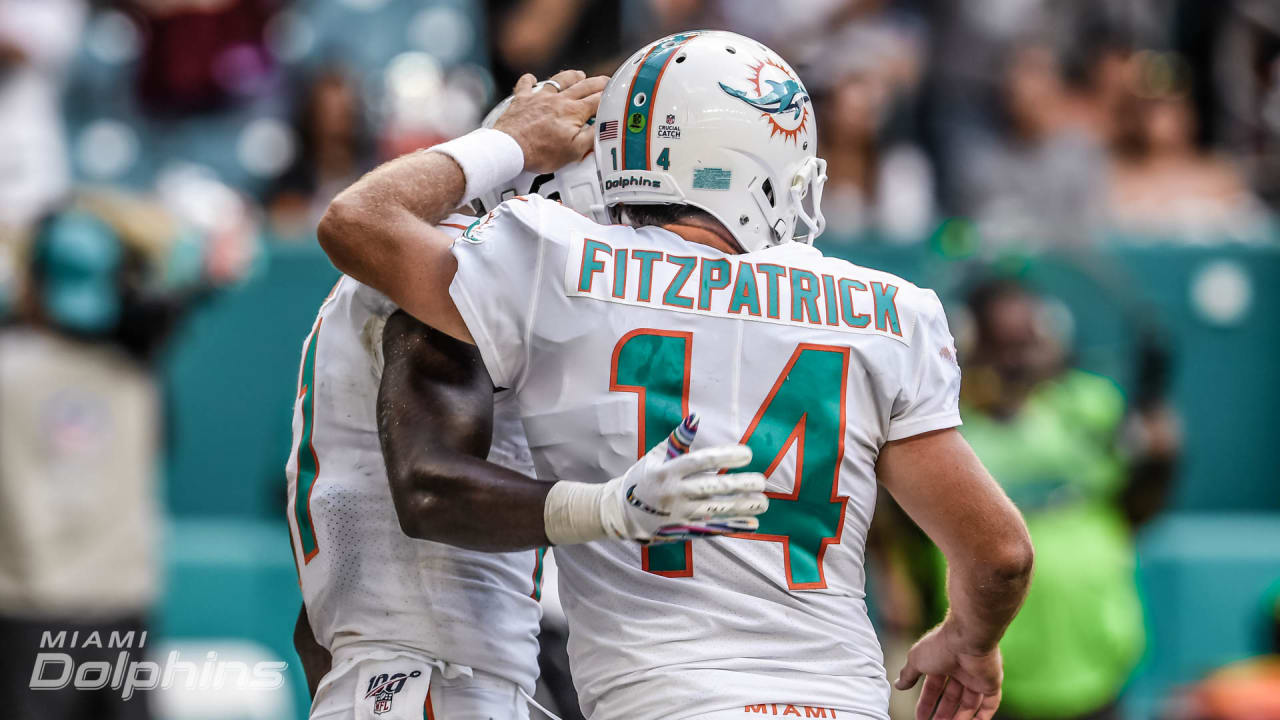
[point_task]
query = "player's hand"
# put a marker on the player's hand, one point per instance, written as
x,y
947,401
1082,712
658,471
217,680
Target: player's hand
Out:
x,y
550,125
961,682
663,500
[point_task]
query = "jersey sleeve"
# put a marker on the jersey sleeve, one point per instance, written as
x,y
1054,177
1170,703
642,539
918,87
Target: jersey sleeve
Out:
x,y
929,397
496,283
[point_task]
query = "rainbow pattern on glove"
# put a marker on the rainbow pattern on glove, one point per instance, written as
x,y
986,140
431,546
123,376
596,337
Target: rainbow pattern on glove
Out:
x,y
681,438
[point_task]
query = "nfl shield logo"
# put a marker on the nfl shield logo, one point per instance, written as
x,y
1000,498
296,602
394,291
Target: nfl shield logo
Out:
x,y
671,119
383,688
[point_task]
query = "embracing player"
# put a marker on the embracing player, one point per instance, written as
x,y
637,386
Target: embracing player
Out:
x,y
710,297
397,622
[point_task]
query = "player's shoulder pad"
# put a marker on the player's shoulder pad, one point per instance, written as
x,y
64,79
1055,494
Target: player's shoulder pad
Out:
x,y
527,216
917,306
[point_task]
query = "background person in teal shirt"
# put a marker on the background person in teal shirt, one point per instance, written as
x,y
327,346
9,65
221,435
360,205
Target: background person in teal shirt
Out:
x,y
1086,468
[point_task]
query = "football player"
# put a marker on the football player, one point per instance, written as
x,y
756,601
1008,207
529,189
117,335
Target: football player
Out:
x,y
395,621
710,297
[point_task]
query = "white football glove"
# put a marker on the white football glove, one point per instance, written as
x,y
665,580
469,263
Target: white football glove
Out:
x,y
665,500
661,499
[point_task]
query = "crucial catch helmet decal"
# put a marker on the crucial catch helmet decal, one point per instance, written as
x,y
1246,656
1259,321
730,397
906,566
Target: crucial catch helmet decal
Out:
x,y
779,97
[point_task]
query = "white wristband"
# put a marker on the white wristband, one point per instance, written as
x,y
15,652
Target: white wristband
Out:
x,y
487,157
576,512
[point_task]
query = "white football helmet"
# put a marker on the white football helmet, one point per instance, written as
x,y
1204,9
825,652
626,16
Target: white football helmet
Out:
x,y
576,185
718,121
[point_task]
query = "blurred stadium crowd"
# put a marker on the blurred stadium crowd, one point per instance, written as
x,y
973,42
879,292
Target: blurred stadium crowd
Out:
x,y
1091,185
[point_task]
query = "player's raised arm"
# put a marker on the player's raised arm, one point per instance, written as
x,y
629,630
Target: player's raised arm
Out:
x,y
435,421
941,484
381,229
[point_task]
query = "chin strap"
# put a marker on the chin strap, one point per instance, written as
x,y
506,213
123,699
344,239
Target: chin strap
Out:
x,y
809,180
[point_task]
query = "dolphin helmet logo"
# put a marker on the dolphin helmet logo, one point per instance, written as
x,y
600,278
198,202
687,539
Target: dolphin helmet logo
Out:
x,y
783,96
779,97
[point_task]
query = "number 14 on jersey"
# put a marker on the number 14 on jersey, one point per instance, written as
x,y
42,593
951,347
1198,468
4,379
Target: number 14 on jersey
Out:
x,y
801,409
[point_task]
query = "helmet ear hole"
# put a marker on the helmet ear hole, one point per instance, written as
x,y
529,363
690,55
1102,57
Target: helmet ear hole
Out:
x,y
767,188
680,59
731,49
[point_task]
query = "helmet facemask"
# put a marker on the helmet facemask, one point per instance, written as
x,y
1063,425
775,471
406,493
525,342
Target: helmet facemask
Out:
x,y
808,184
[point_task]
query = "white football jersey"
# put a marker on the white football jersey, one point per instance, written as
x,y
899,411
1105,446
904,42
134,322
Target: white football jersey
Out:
x,y
609,335
363,579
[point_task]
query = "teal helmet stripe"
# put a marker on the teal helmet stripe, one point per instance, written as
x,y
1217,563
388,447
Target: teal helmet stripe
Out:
x,y
636,117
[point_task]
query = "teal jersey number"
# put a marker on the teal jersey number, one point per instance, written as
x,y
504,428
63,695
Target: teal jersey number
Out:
x,y
308,463
654,364
539,555
664,159
799,410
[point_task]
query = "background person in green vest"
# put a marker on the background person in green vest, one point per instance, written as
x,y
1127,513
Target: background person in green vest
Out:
x,y
1086,469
